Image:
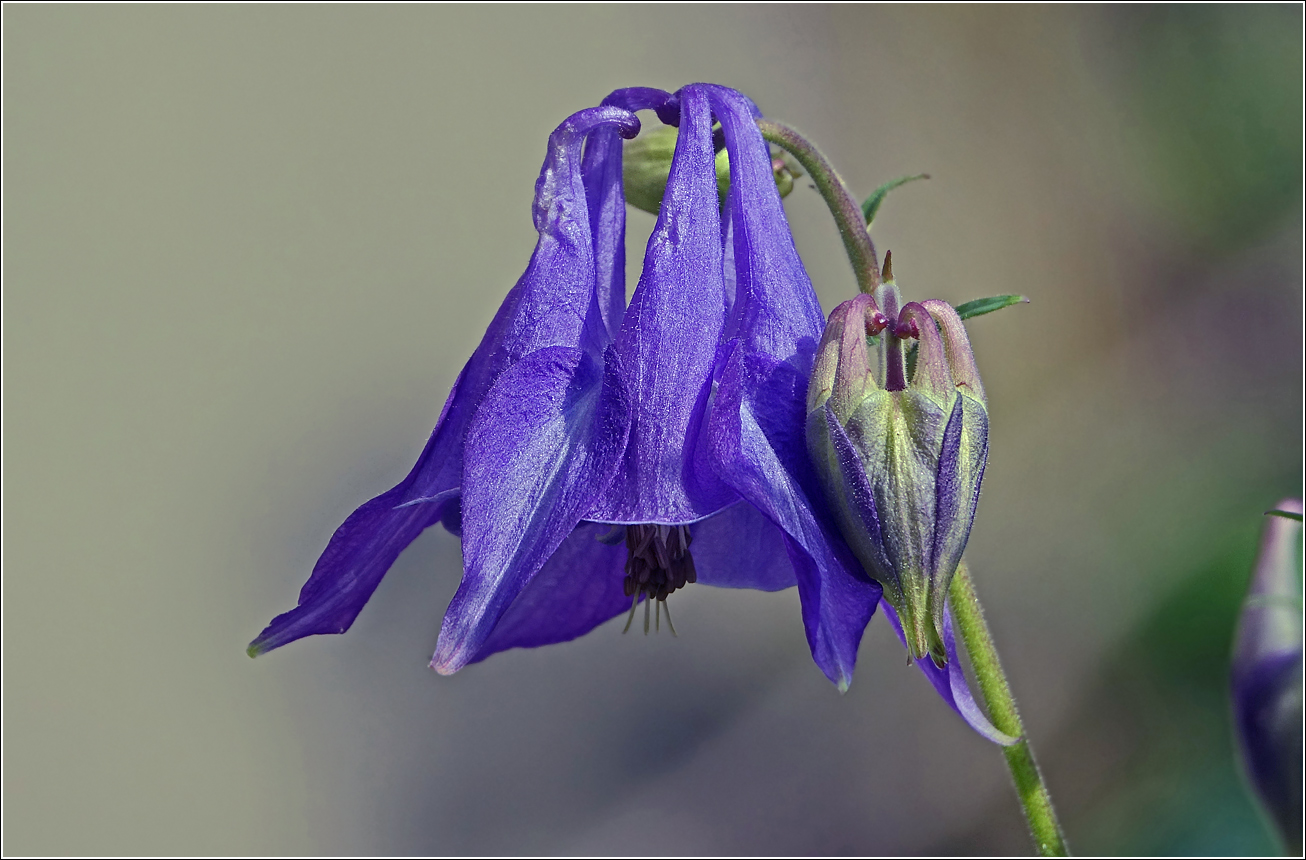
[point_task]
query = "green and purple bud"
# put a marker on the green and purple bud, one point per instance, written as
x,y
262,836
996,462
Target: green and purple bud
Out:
x,y
900,458
647,164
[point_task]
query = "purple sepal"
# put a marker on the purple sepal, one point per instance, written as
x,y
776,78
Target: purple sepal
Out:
x,y
860,496
950,681
957,489
552,429
759,416
579,588
1266,675
758,440
775,310
553,303
1268,717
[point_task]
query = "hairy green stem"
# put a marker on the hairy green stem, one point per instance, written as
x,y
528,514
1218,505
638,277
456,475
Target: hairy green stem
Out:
x,y
996,692
847,213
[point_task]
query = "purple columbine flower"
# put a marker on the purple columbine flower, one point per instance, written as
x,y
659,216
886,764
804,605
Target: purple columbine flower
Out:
x,y
571,455
593,455
1267,675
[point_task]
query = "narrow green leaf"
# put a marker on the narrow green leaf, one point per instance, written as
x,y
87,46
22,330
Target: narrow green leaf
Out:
x,y
871,204
979,307
1287,515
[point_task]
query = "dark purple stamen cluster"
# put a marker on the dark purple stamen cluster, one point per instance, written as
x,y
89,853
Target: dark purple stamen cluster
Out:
x,y
657,560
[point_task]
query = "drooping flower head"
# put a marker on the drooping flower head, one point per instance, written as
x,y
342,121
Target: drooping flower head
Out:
x,y
593,455
901,458
575,414
1267,675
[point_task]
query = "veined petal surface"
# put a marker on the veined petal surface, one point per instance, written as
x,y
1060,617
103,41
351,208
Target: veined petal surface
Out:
x,y
758,437
668,341
550,305
759,416
546,438
607,203
576,590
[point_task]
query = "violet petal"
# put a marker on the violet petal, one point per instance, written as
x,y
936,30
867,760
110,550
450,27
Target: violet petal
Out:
x,y
950,681
552,303
668,343
758,440
759,417
577,589
607,203
545,438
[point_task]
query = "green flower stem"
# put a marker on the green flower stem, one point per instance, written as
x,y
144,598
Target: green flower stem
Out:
x,y
996,692
847,213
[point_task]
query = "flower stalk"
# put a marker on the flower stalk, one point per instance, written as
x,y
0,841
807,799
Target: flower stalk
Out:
x,y
1035,802
847,213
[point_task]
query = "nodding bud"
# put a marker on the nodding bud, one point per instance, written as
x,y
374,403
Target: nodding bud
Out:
x,y
900,460
646,164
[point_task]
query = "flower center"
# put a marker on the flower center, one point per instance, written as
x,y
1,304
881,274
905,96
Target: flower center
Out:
x,y
657,563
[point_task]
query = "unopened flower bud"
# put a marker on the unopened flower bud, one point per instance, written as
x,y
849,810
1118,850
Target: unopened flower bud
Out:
x,y
646,165
900,459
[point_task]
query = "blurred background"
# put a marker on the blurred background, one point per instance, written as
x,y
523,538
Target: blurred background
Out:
x,y
247,249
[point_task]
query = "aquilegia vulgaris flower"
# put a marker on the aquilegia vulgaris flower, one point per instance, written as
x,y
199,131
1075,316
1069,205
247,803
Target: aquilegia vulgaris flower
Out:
x,y
593,455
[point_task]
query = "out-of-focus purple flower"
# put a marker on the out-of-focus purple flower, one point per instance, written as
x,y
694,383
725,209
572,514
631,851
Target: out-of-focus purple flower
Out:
x,y
593,455
1267,675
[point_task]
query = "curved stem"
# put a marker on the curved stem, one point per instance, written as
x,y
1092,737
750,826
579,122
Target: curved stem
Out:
x,y
1034,799
847,214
